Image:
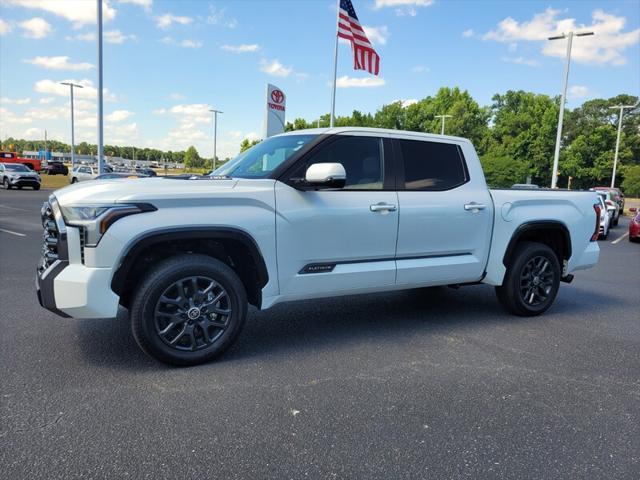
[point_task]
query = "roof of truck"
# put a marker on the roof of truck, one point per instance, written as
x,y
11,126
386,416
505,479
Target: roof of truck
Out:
x,y
379,131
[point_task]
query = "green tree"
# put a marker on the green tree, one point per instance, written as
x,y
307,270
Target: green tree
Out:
x,y
502,171
631,183
246,144
192,159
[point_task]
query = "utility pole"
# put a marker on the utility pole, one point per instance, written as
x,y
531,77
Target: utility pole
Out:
x,y
100,118
556,155
215,136
443,118
73,140
615,157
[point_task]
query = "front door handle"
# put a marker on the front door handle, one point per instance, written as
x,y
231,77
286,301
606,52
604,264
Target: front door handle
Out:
x,y
473,206
383,207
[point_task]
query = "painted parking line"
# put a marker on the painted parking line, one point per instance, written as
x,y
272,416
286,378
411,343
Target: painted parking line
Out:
x,y
618,240
14,208
12,232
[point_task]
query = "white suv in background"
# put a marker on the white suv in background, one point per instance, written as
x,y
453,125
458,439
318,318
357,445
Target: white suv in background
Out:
x,y
82,173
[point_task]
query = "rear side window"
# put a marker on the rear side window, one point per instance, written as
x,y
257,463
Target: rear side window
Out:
x,y
432,166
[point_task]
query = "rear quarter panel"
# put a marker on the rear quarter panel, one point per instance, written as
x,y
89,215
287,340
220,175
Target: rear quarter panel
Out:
x,y
514,208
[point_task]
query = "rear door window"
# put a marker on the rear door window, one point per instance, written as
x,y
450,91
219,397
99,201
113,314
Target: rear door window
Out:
x,y
432,166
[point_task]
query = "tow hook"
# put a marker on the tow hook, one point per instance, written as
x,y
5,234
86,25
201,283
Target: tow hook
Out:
x,y
567,278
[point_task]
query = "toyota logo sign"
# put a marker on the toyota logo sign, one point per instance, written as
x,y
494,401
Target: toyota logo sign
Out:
x,y
277,96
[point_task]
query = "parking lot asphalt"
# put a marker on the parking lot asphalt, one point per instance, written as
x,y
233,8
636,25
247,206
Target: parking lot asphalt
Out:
x,y
432,383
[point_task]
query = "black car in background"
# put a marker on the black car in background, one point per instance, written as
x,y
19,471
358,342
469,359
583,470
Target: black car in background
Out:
x,y
55,168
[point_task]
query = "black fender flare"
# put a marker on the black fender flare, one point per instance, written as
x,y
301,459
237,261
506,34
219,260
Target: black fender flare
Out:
x,y
537,225
186,233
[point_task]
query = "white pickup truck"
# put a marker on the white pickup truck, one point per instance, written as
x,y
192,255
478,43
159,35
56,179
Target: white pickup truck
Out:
x,y
307,214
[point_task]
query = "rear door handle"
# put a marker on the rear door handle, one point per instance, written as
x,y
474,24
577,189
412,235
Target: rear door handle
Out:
x,y
474,206
383,207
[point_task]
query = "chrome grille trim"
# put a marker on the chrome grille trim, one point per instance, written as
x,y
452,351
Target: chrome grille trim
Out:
x,y
54,237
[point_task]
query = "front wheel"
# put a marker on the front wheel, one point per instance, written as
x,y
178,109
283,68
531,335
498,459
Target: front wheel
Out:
x,y
188,310
532,280
36,187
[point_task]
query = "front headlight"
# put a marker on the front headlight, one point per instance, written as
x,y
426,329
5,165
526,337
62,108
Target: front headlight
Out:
x,y
96,219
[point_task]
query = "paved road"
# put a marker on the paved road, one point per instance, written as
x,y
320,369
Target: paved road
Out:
x,y
417,384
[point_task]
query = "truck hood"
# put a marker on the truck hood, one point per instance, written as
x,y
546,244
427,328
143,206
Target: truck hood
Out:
x,y
157,190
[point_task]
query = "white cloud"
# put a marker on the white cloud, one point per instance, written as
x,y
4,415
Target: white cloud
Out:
x,y
83,37
5,27
46,100
80,12
275,68
166,20
36,27
58,63
192,113
88,92
377,35
420,69
219,17
468,33
146,4
159,111
242,48
118,116
408,101
350,82
529,62
190,44
176,96
116,36
604,48
15,101
578,91
403,7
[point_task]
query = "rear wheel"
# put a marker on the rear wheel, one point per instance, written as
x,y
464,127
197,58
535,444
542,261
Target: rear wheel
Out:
x,y
36,187
6,184
188,310
74,180
532,280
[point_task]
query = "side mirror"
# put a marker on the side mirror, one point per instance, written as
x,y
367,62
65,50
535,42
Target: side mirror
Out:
x,y
326,175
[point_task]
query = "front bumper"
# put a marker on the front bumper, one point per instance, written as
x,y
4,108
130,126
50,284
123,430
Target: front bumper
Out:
x,y
24,182
69,288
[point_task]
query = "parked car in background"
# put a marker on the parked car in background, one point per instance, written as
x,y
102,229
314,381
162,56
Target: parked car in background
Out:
x,y
149,172
616,195
634,225
12,157
605,218
82,173
18,175
55,168
612,207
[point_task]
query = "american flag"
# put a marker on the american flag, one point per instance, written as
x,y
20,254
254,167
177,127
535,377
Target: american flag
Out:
x,y
349,28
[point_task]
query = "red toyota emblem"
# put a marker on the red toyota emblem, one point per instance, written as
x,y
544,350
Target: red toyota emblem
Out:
x,y
277,96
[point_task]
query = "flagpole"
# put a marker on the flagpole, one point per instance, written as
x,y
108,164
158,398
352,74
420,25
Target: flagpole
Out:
x,y
335,69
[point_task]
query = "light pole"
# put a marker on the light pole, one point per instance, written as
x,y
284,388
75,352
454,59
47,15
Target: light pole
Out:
x,y
443,118
215,135
615,157
100,132
556,155
73,139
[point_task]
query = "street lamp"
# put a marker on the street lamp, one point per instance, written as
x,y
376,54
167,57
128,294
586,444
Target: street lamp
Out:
x,y
556,156
100,131
73,142
615,157
215,134
442,117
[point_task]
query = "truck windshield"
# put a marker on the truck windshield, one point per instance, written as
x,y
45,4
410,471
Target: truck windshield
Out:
x,y
260,160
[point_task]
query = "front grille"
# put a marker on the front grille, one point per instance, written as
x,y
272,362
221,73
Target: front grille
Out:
x,y
83,241
51,238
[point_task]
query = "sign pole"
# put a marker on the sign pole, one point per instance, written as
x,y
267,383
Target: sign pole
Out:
x,y
335,69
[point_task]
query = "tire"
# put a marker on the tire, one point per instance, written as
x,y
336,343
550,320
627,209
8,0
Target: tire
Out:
x,y
615,222
36,187
74,180
6,184
154,332
529,259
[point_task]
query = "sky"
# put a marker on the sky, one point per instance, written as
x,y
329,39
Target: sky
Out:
x,y
167,62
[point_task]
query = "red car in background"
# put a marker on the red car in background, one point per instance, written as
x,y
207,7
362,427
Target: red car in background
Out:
x,y
12,157
634,225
